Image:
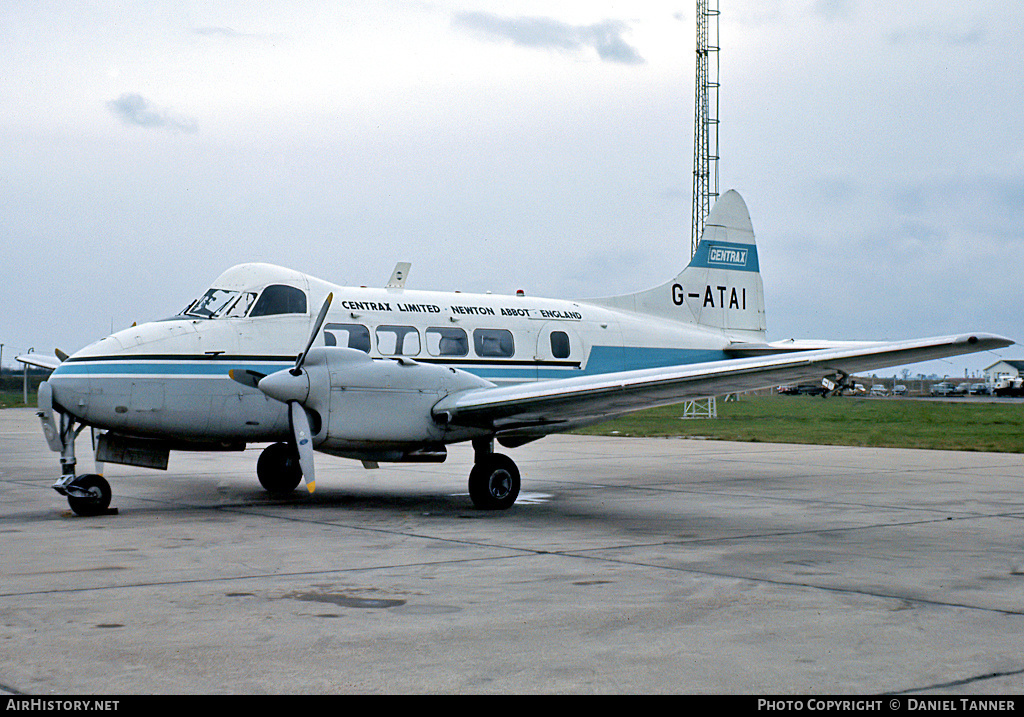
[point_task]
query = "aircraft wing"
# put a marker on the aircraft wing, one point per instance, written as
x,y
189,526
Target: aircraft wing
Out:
x,y
552,406
39,361
747,350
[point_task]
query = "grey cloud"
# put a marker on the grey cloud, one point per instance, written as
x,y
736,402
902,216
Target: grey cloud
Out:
x,y
542,32
134,109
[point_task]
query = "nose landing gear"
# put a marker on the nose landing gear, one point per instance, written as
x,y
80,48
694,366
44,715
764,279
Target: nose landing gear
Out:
x,y
87,494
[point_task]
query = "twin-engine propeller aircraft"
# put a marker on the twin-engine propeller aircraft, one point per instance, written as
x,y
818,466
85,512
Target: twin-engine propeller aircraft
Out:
x,y
396,375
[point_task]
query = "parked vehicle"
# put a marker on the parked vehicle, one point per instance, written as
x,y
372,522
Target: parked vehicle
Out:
x,y
980,389
1009,387
943,389
899,390
963,389
811,389
879,390
804,389
856,389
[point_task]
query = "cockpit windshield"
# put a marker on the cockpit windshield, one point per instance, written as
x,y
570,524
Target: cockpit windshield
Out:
x,y
220,303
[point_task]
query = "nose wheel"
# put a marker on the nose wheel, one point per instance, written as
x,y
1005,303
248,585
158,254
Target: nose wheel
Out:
x,y
89,495
494,482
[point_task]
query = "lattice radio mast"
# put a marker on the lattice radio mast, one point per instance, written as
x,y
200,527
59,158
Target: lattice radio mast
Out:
x,y
705,119
705,151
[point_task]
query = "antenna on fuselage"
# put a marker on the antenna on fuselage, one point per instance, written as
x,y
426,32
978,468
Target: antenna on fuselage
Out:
x,y
399,275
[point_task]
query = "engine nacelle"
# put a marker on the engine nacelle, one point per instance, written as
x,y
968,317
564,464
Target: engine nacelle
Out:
x,y
367,404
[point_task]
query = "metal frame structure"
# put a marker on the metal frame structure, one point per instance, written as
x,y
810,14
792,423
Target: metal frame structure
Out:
x,y
705,120
705,148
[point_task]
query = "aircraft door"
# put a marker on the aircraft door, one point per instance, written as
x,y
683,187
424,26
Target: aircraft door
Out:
x,y
559,351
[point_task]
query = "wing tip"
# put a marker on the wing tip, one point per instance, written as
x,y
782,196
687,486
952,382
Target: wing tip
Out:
x,y
985,341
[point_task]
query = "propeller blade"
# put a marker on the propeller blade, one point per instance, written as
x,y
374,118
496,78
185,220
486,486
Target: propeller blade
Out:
x,y
246,377
61,355
304,442
316,330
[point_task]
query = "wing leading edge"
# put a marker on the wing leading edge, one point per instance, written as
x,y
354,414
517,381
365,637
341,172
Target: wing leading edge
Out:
x,y
552,406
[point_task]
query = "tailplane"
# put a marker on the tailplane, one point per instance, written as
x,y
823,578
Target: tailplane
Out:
x,y
721,286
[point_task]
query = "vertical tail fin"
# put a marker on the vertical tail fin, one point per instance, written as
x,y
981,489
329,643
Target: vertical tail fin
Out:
x,y
721,286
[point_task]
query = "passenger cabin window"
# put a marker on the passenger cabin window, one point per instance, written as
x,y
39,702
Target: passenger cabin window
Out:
x,y
493,343
280,299
559,344
447,342
353,336
398,340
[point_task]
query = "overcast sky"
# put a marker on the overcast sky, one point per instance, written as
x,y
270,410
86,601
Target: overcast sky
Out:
x,y
147,146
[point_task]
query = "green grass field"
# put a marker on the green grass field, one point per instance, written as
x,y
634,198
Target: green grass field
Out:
x,y
12,390
890,423
12,399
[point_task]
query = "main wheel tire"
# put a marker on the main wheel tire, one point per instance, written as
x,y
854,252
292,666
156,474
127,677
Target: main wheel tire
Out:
x,y
494,483
98,500
278,469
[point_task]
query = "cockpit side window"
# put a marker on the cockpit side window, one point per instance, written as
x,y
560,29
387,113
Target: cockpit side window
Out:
x,y
280,299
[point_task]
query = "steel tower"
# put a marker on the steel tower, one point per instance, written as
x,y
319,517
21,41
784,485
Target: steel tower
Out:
x,y
705,152
705,119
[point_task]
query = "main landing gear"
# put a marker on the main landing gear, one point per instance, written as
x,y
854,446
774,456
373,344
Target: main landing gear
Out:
x,y
494,481
278,468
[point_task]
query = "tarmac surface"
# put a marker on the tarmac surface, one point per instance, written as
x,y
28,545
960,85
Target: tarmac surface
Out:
x,y
628,566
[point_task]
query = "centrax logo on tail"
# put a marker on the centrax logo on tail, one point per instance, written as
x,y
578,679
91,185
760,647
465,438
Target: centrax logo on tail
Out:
x,y
396,375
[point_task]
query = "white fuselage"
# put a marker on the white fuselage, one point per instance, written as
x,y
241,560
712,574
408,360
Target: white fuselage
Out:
x,y
170,378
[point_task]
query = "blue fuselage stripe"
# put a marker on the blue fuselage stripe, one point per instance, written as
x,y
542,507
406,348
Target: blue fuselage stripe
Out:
x,y
162,368
602,359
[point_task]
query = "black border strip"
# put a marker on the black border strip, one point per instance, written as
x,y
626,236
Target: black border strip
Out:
x,y
233,358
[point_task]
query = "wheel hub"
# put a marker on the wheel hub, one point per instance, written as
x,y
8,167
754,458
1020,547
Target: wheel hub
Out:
x,y
500,484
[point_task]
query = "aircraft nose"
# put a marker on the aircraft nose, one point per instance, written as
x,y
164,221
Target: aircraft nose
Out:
x,y
286,386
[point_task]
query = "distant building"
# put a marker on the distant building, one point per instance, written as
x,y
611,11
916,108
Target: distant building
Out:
x,y
1004,369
